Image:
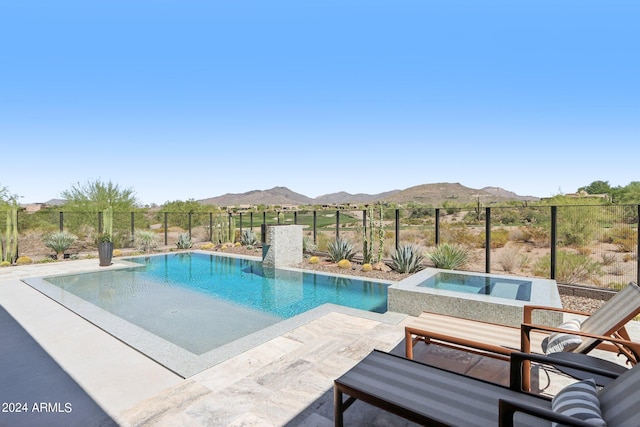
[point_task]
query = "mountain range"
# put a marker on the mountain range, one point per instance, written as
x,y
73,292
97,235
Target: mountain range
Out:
x,y
428,194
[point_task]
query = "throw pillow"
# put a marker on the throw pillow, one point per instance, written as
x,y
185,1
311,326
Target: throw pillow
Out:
x,y
579,400
558,341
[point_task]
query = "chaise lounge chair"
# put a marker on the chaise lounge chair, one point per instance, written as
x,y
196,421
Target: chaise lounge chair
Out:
x,y
604,329
434,396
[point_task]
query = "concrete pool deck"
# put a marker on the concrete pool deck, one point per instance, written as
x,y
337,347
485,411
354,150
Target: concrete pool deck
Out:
x,y
287,380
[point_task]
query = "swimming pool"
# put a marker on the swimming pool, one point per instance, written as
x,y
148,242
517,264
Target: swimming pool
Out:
x,y
187,309
491,298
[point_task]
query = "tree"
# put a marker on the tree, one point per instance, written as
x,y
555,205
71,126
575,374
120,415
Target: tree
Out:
x,y
96,196
84,201
597,187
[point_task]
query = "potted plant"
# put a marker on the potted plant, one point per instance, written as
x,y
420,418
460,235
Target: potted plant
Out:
x,y
105,241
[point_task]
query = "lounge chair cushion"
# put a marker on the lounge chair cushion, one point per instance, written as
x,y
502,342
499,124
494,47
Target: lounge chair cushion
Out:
x,y
558,341
579,400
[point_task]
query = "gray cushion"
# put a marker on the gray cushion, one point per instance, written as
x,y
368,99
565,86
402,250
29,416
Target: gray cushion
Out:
x,y
557,341
579,400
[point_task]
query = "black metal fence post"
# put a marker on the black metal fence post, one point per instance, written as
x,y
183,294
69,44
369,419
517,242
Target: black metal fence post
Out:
x,y
99,222
315,224
251,220
295,217
61,221
554,238
337,225
240,224
133,227
166,222
231,238
487,233
437,226
397,229
190,215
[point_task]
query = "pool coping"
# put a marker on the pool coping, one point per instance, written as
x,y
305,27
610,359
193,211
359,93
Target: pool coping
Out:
x,y
169,355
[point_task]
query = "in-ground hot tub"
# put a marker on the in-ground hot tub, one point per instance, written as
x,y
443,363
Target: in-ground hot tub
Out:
x,y
488,297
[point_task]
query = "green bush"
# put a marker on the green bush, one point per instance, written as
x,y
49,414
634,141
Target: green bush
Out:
x,y
340,249
570,267
59,241
407,259
449,256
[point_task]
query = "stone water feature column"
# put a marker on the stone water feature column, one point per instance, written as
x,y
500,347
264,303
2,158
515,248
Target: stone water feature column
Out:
x,y
283,247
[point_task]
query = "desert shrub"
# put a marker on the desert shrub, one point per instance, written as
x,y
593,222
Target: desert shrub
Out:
x,y
184,241
248,238
407,259
511,259
314,260
322,241
539,236
570,267
608,259
59,242
449,256
147,240
117,252
624,237
584,250
577,226
308,245
340,249
366,267
5,264
207,246
499,238
628,257
460,235
344,263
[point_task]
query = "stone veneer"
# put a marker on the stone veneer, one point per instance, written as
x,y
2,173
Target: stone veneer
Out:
x,y
283,247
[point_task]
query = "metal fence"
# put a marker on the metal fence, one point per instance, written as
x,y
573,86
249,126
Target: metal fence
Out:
x,y
595,245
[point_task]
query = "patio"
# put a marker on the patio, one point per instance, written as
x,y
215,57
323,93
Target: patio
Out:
x,y
285,381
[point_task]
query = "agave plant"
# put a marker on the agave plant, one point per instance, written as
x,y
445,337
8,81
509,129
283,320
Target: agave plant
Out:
x,y
248,238
407,259
340,249
184,241
448,256
59,242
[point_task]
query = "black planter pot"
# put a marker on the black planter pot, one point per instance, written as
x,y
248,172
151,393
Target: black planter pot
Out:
x,y
105,253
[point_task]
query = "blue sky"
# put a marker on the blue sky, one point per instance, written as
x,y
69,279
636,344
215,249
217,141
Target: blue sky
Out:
x,y
189,99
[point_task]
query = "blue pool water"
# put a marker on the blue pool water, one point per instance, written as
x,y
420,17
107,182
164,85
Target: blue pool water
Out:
x,y
200,301
485,285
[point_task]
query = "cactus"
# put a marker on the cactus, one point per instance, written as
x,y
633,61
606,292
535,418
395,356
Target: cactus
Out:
x,y
344,264
224,229
10,250
107,217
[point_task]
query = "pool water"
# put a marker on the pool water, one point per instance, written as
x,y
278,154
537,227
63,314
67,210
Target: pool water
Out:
x,y
500,287
200,301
